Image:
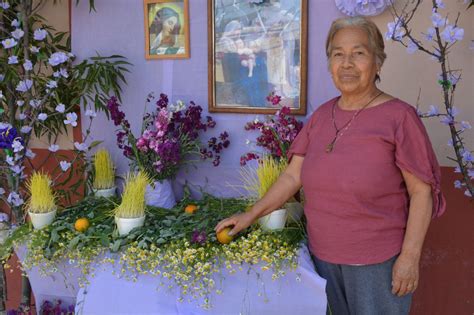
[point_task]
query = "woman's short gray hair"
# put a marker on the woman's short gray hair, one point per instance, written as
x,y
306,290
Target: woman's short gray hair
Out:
x,y
376,43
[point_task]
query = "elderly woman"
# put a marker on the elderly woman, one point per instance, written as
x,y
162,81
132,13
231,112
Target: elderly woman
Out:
x,y
371,180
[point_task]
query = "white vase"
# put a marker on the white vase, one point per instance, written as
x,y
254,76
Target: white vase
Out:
x,y
40,220
106,193
274,221
125,225
295,211
160,194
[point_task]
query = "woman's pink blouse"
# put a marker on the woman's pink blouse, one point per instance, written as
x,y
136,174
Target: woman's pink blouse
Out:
x,y
356,200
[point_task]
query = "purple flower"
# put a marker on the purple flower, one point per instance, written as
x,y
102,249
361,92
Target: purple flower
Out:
x,y
40,34
434,111
199,237
57,58
465,125
395,30
438,20
440,4
24,85
451,34
412,47
457,184
8,136
447,120
430,34
467,156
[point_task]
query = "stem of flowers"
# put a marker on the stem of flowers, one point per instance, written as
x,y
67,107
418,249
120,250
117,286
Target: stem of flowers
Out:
x,y
447,86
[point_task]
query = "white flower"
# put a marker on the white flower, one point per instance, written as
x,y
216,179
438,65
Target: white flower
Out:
x,y
20,103
440,4
60,108
15,23
35,103
17,169
53,148
40,34
43,116
465,125
27,65
64,165
430,34
247,141
4,5
52,84
412,47
2,76
4,125
90,113
2,191
80,146
12,60
64,73
451,34
24,85
17,146
1,95
18,33
71,119
457,184
3,216
9,43
34,49
30,154
10,160
467,193
178,107
57,58
15,199
256,121
22,116
438,20
433,110
25,129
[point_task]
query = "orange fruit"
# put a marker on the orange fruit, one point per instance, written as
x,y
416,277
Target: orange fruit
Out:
x,y
190,208
81,224
223,236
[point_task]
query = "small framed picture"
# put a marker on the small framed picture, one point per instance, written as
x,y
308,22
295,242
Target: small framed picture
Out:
x,y
257,47
166,29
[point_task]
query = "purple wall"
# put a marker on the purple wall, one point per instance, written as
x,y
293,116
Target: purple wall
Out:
x,y
118,28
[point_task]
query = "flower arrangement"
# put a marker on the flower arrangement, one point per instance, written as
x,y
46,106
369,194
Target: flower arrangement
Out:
x,y
42,199
164,247
133,197
276,133
169,134
104,175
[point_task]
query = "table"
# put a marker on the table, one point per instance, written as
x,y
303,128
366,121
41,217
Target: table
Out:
x,y
298,292
301,291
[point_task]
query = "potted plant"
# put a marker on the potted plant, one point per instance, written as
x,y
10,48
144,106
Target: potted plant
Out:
x,y
259,181
104,175
131,211
41,206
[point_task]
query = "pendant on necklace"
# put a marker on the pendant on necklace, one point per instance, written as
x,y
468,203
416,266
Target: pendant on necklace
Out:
x,y
330,147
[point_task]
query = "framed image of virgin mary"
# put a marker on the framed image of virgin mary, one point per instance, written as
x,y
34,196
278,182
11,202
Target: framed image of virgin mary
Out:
x,y
166,29
257,47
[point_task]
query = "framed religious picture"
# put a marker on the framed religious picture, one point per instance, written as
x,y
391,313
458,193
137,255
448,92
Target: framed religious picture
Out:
x,y
257,47
166,29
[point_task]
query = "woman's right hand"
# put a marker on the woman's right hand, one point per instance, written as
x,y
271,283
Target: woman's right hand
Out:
x,y
238,222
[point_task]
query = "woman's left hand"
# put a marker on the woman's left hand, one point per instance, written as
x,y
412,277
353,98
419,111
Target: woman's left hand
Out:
x,y
405,274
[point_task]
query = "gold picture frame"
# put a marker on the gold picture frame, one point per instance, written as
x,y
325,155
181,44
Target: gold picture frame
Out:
x,y
255,48
166,29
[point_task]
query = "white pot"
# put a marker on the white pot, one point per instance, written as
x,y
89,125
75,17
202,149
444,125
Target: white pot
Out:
x,y
125,225
274,221
106,193
160,194
295,211
40,220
